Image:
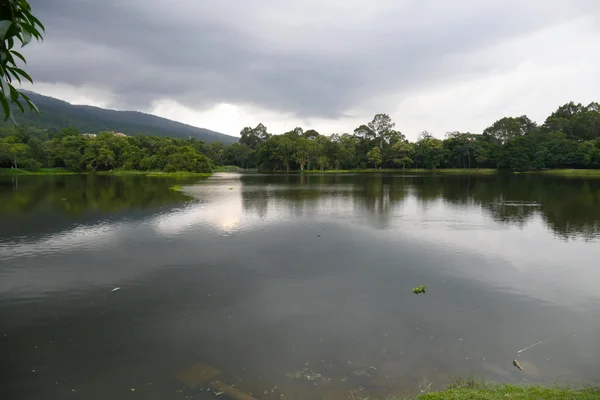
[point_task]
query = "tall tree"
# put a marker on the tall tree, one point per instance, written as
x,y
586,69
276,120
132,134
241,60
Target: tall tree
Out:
x,y
382,126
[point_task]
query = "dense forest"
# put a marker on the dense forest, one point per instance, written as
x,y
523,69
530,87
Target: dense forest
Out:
x,y
569,138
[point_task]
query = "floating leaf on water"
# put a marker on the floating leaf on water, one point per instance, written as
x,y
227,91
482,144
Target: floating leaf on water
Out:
x,y
419,289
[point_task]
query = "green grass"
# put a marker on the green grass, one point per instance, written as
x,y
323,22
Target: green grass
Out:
x,y
227,168
40,171
458,171
159,174
511,392
568,172
175,188
180,174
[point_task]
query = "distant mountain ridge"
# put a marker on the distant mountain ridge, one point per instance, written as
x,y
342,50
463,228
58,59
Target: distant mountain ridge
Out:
x,y
57,114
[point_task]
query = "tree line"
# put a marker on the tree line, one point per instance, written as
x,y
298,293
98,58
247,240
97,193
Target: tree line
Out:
x,y
69,148
569,138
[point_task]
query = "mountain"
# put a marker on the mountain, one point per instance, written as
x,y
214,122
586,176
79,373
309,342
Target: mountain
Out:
x,y
56,114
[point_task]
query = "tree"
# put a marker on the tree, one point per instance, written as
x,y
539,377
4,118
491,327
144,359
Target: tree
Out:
x,y
382,126
17,22
374,156
430,150
302,151
253,137
402,152
509,127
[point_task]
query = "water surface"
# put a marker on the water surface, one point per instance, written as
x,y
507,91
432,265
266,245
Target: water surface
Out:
x,y
260,276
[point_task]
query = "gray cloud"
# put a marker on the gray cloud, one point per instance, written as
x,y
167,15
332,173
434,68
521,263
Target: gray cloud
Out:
x,y
304,57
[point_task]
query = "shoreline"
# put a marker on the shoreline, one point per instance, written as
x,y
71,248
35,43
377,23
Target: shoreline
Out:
x,y
578,173
490,391
62,171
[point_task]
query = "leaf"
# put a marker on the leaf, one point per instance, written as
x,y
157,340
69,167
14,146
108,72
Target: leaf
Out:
x,y
23,74
32,106
25,38
18,103
4,27
12,71
5,88
16,53
38,22
6,107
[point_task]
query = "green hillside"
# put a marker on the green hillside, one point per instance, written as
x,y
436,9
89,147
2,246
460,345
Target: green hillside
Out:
x,y
57,114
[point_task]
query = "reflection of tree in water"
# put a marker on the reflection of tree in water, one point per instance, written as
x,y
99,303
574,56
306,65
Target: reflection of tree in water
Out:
x,y
570,207
76,194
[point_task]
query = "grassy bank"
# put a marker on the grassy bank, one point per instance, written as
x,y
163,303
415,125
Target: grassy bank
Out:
x,y
155,174
470,391
117,172
588,173
458,171
180,174
227,168
40,171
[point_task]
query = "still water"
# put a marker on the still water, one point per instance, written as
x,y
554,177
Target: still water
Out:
x,y
294,287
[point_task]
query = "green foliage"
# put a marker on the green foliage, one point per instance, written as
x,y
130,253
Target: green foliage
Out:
x,y
75,152
516,144
374,156
16,23
419,289
570,138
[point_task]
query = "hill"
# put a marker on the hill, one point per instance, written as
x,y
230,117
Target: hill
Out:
x,y
57,114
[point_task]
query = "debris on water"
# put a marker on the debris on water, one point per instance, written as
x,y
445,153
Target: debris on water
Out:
x,y
132,389
419,289
115,289
516,364
530,346
306,374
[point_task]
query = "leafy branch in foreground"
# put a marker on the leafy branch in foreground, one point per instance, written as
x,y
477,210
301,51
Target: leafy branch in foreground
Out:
x,y
16,23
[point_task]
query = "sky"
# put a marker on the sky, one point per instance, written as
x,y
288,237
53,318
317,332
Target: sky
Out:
x,y
329,65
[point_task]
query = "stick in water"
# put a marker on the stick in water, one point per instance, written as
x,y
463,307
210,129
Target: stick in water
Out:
x,y
530,346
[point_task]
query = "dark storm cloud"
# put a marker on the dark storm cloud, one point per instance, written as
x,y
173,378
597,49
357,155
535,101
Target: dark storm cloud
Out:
x,y
308,58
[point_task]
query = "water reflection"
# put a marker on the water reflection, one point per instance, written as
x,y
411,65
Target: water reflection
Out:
x,y
570,208
258,275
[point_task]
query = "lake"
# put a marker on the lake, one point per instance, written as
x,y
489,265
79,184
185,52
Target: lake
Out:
x,y
295,286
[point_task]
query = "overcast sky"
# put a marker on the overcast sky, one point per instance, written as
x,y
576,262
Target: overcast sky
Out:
x,y
436,65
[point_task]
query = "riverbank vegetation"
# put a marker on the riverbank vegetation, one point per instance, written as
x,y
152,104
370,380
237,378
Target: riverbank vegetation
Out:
x,y
473,389
69,149
569,139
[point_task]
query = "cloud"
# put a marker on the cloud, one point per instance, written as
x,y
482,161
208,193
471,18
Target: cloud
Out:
x,y
314,62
